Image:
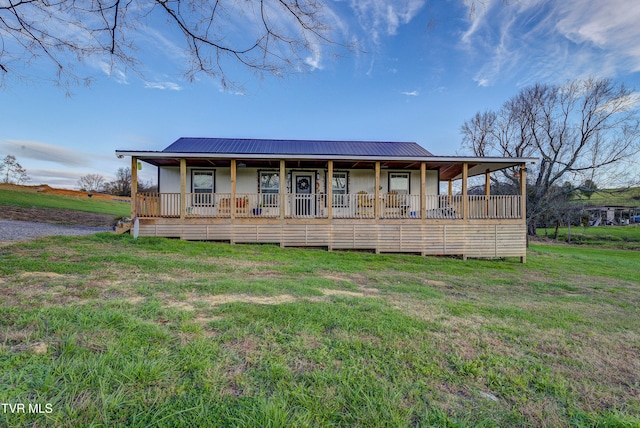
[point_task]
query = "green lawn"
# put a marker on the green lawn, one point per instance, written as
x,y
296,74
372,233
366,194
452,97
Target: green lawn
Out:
x,y
622,237
109,331
33,199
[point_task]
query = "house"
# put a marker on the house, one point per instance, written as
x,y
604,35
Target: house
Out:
x,y
381,196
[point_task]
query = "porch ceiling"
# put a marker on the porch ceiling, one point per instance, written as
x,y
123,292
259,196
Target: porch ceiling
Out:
x,y
275,163
453,170
450,167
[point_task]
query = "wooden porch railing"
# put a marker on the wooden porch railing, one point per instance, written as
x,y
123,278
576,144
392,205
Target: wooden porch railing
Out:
x,y
345,206
152,205
494,206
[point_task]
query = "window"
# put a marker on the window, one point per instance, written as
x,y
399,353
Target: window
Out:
x,y
203,186
270,188
340,184
399,182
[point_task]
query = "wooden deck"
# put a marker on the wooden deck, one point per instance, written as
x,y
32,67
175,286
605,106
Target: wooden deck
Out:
x,y
466,238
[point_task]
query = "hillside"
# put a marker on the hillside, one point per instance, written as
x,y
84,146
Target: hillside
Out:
x,y
60,206
627,197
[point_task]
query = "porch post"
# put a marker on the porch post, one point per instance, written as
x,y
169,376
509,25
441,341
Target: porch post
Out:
x,y
183,188
523,204
450,191
423,190
487,183
465,199
487,190
523,191
233,189
283,189
329,181
134,186
376,205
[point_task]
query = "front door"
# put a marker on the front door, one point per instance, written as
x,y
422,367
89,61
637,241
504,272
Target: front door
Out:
x,y
304,195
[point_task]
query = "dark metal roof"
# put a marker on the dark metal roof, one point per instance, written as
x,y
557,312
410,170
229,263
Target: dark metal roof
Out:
x,y
296,147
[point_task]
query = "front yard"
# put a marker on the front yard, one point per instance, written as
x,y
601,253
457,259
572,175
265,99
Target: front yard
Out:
x,y
106,330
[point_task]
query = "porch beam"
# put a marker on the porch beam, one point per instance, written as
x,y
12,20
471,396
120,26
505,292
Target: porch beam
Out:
x,y
134,185
283,190
183,188
423,190
233,188
376,205
329,183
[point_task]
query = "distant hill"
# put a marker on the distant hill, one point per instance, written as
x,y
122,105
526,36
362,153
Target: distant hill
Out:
x,y
60,206
628,197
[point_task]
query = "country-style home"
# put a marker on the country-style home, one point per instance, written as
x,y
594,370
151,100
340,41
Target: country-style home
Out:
x,y
381,196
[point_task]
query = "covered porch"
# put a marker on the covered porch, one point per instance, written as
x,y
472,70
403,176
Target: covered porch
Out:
x,y
369,214
366,199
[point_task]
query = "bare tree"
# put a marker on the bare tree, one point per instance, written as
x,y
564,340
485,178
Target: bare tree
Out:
x,y
91,183
12,171
147,186
121,186
578,130
272,36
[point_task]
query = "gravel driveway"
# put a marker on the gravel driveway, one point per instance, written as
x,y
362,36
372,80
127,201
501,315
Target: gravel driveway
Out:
x,y
14,230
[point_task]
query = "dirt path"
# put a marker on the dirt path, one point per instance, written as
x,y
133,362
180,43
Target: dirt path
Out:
x,y
14,230
57,216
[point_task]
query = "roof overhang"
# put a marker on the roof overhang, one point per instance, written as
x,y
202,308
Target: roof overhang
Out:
x,y
450,166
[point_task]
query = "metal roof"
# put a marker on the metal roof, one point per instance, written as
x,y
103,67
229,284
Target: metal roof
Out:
x,y
297,147
218,151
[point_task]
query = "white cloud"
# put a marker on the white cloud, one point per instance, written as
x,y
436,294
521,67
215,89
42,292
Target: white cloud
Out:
x,y
163,86
314,60
553,41
44,152
110,70
56,165
411,94
384,17
25,149
54,177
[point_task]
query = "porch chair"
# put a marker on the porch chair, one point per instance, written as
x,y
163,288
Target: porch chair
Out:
x,y
394,206
365,204
242,206
224,207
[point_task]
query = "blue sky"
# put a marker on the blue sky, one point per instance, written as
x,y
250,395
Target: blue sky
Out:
x,y
427,67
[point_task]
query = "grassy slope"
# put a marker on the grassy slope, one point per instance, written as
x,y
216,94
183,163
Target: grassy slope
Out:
x,y
622,237
31,198
157,332
618,197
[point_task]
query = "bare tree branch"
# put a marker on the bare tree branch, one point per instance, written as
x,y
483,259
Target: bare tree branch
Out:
x,y
579,131
269,36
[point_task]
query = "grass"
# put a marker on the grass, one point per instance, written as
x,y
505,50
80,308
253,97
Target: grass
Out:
x,y
622,237
157,332
32,199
